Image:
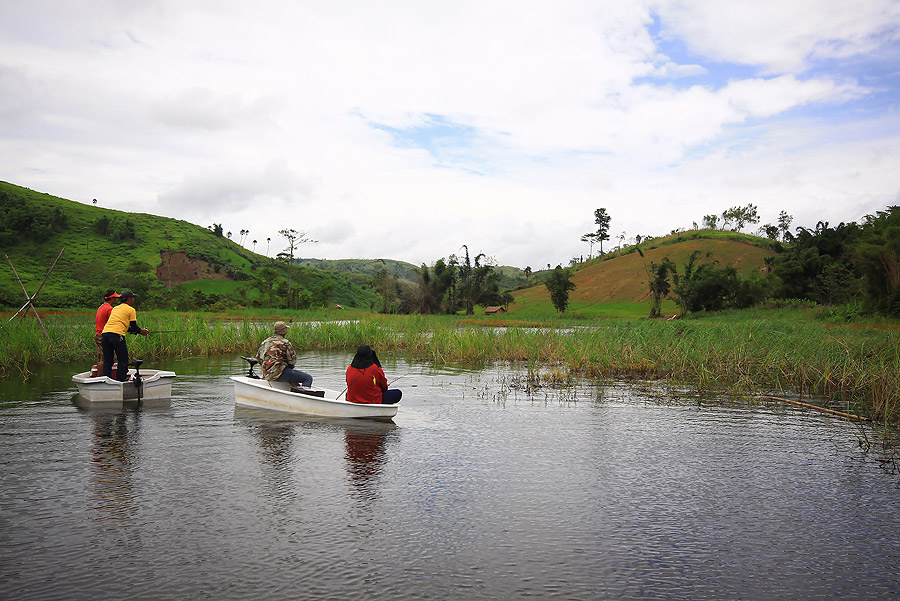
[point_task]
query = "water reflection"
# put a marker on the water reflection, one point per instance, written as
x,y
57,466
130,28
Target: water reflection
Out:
x,y
274,437
114,436
366,456
286,442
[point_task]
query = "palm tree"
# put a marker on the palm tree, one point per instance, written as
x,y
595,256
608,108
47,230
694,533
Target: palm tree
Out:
x,y
254,246
267,246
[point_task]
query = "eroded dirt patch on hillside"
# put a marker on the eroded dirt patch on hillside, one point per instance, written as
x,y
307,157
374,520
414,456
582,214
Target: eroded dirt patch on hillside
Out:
x,y
177,268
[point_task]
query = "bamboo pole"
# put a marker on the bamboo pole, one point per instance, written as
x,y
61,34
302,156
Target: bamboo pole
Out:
x,y
817,408
30,299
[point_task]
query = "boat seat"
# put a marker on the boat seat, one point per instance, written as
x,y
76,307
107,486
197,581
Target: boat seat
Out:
x,y
308,391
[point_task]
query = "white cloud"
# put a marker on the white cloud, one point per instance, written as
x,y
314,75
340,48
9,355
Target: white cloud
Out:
x,y
779,36
263,113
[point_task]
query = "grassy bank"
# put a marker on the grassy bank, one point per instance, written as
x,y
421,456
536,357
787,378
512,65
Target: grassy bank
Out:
x,y
775,352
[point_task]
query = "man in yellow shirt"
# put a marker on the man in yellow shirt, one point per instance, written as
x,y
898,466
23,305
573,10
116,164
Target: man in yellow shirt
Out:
x,y
122,320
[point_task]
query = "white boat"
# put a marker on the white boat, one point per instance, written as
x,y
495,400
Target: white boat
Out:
x,y
253,391
279,396
149,384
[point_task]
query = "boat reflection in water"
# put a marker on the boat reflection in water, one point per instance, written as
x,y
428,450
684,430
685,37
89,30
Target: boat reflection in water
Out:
x,y
366,455
115,447
296,447
114,437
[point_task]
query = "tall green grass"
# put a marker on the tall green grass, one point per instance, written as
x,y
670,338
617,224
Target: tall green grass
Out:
x,y
775,352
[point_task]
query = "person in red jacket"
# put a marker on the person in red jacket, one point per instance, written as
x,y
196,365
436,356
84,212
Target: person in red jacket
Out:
x,y
366,382
100,320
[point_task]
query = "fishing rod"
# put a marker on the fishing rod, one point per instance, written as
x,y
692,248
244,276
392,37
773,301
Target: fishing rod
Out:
x,y
400,378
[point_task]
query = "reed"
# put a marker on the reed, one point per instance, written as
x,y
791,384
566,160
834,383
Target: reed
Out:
x,y
765,353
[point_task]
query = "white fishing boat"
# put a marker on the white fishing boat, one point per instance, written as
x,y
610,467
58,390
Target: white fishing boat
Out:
x,y
149,384
252,391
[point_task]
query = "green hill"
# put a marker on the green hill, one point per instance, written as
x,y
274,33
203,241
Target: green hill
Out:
x,y
617,284
178,264
510,277
368,267
169,260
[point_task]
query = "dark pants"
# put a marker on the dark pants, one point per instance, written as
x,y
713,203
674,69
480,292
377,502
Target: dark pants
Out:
x,y
295,376
391,396
114,343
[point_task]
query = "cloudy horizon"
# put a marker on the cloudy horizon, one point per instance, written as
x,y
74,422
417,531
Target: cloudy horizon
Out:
x,y
403,130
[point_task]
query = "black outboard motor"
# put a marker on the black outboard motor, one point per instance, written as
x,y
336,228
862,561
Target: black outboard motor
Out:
x,y
252,363
138,381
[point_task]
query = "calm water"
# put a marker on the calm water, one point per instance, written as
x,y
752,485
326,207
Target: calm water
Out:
x,y
476,491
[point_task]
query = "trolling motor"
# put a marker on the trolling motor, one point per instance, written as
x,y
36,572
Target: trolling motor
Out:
x,y
252,363
138,381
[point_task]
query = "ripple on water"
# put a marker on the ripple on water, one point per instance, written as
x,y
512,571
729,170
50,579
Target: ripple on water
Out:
x,y
475,491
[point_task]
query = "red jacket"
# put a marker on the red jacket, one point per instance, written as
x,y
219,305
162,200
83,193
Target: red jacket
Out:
x,y
366,385
102,317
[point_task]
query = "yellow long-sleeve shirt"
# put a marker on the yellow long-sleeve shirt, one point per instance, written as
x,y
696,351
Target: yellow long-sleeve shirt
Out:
x,y
120,319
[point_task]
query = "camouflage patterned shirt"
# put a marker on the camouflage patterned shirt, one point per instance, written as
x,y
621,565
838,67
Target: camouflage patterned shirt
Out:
x,y
274,354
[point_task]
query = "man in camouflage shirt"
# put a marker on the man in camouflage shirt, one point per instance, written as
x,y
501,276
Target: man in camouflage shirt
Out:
x,y
276,357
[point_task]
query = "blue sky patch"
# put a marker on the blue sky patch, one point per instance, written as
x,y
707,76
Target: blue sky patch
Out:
x,y
451,144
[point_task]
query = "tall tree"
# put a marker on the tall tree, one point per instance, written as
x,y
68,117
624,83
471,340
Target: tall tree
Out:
x,y
559,285
878,256
740,216
658,280
784,225
478,283
601,219
294,239
386,286
430,294
590,238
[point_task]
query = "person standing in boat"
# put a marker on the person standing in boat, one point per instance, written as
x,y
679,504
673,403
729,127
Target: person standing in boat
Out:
x,y
122,320
276,357
366,382
100,320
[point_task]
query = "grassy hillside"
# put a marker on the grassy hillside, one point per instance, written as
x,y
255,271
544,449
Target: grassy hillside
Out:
x,y
617,286
106,248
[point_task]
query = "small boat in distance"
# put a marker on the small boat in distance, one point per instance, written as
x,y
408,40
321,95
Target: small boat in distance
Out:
x,y
151,384
252,391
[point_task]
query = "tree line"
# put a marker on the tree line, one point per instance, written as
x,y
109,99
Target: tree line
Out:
x,y
851,264
453,285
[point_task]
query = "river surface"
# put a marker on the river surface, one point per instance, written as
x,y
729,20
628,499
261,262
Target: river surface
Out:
x,y
479,489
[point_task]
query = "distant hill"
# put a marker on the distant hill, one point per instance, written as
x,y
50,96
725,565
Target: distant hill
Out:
x,y
106,248
618,283
369,267
510,277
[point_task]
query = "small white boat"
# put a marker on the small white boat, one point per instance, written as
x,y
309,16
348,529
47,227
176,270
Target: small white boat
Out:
x,y
149,384
256,392
252,391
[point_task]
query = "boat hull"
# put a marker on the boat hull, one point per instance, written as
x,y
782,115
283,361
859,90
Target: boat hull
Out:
x,y
100,390
277,396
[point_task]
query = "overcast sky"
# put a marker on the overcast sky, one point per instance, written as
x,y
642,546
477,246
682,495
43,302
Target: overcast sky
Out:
x,y
404,129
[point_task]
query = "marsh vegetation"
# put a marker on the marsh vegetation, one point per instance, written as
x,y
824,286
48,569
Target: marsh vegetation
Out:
x,y
795,352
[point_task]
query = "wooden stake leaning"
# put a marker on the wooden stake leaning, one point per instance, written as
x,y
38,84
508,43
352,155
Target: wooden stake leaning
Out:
x,y
29,300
